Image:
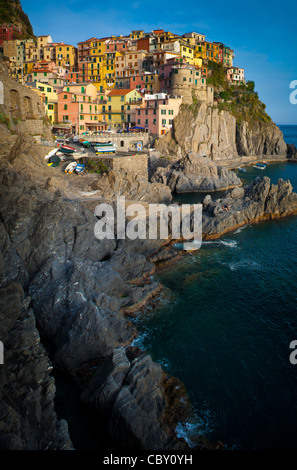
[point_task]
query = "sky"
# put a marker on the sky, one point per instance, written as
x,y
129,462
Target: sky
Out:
x,y
262,33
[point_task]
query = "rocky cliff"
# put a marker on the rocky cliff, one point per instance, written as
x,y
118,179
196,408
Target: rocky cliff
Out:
x,y
193,173
78,290
208,131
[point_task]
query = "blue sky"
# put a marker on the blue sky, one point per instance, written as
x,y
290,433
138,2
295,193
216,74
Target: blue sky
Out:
x,y
262,33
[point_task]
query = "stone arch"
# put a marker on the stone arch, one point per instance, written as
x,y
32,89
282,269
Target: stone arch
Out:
x,y
15,105
28,108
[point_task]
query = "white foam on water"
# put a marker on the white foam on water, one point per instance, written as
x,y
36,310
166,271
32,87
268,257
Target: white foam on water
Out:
x,y
240,229
249,264
229,243
197,426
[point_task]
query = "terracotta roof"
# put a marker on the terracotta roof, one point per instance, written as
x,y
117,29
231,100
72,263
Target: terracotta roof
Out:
x,y
88,40
121,92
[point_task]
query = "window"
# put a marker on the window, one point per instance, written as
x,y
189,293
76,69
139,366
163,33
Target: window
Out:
x,y
65,106
163,122
65,97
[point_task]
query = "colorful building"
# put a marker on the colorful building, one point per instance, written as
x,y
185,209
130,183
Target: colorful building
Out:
x,y
157,113
49,98
66,55
235,75
120,107
8,32
78,106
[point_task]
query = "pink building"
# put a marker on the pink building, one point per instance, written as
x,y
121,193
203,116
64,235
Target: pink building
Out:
x,y
80,111
157,113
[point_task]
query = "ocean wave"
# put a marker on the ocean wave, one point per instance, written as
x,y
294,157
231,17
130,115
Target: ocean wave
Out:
x,y
199,425
240,229
229,243
246,264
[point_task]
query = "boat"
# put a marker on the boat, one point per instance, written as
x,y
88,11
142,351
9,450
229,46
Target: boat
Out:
x,y
70,167
86,144
67,149
80,168
54,161
102,144
106,149
241,169
259,166
78,155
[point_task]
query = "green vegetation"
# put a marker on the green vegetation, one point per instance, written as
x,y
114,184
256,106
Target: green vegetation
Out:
x,y
4,119
240,100
11,12
194,107
93,166
217,75
243,103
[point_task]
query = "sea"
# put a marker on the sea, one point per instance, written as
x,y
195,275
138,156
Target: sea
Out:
x,y
225,324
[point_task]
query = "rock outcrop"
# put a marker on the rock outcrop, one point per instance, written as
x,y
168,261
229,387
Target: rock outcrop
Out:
x,y
259,138
216,134
260,200
27,417
78,289
194,173
206,132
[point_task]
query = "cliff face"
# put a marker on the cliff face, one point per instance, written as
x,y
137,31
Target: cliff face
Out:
x,y
204,131
258,138
209,132
11,12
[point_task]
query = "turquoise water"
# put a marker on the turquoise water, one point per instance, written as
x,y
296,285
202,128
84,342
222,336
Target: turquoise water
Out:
x,y
225,326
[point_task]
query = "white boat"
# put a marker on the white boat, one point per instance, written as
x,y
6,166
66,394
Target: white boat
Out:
x,y
259,166
106,149
70,168
241,169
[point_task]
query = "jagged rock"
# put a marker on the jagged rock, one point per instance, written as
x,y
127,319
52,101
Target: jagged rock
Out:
x,y
260,200
259,138
27,417
129,185
217,135
131,393
292,152
194,173
209,132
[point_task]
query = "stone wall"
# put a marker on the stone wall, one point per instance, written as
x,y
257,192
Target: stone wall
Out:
x,y
123,141
137,164
185,83
19,101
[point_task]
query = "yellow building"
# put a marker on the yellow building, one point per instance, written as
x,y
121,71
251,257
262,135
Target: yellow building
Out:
x,y
121,106
49,98
186,52
137,34
66,55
